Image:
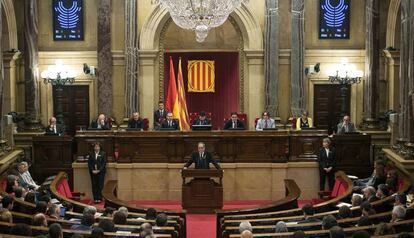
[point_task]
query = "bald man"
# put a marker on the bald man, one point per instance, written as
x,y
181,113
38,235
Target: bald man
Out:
x,y
345,126
53,128
101,123
246,234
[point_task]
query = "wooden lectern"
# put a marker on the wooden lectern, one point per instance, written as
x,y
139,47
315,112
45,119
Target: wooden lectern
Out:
x,y
202,194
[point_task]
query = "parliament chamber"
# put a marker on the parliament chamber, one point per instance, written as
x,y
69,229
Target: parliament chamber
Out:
x,y
205,118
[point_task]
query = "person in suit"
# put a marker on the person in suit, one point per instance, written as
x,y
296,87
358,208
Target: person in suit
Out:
x,y
170,123
345,126
234,122
308,213
327,164
304,121
136,122
201,158
101,123
97,170
265,122
202,120
53,128
159,115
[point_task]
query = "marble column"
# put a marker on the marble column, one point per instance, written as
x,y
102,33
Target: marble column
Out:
x,y
406,122
372,57
104,58
297,74
31,58
1,76
271,59
131,58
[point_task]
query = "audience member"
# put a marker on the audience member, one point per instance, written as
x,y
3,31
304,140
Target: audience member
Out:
x,y
19,193
39,220
328,222
151,214
344,212
246,234
86,223
107,225
119,218
25,176
7,202
398,214
369,194
377,178
361,234
308,212
367,209
245,225
55,231
97,232
382,191
401,200
46,198
336,232
392,181
41,207
76,235
384,229
356,200
30,197
6,216
11,184
89,209
298,234
109,212
124,210
146,229
21,230
364,221
161,220
281,227
53,211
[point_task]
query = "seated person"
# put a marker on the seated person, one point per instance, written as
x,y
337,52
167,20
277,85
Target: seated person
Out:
x,y
25,176
398,214
377,178
170,123
265,122
304,121
345,126
308,213
100,123
159,115
233,123
136,122
392,180
202,120
53,128
370,194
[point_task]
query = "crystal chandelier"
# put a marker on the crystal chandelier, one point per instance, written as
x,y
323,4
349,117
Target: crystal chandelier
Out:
x,y
345,73
199,15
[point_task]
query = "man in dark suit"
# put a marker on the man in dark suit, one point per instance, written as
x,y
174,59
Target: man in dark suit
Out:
x,y
327,164
202,158
97,170
159,115
101,123
170,123
136,122
202,120
345,126
308,213
53,128
233,123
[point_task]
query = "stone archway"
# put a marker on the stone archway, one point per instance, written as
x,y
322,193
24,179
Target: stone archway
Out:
x,y
392,22
252,69
8,11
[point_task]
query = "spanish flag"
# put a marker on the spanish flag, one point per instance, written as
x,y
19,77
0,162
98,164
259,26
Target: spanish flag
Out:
x,y
172,103
184,118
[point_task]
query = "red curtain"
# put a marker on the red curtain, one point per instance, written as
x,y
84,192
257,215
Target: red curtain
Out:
x,y
225,99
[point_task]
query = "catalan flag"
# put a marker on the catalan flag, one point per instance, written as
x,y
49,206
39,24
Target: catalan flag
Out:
x,y
201,76
184,118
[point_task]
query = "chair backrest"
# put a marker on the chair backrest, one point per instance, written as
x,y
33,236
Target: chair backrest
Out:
x,y
194,115
255,121
335,190
294,119
65,184
146,124
61,189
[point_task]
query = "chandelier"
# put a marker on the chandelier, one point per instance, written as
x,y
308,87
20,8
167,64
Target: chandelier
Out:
x,y
58,74
345,73
199,15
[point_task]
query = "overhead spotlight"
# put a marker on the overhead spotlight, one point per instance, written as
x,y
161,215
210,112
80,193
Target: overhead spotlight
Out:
x,y
313,69
87,69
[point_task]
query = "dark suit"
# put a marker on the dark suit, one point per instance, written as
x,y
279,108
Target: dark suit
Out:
x,y
174,125
341,129
159,117
229,125
327,161
202,122
94,125
97,163
132,123
202,162
59,130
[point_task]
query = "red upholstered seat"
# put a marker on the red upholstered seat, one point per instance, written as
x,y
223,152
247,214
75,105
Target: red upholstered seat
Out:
x,y
64,189
146,124
255,121
3,184
339,188
294,123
